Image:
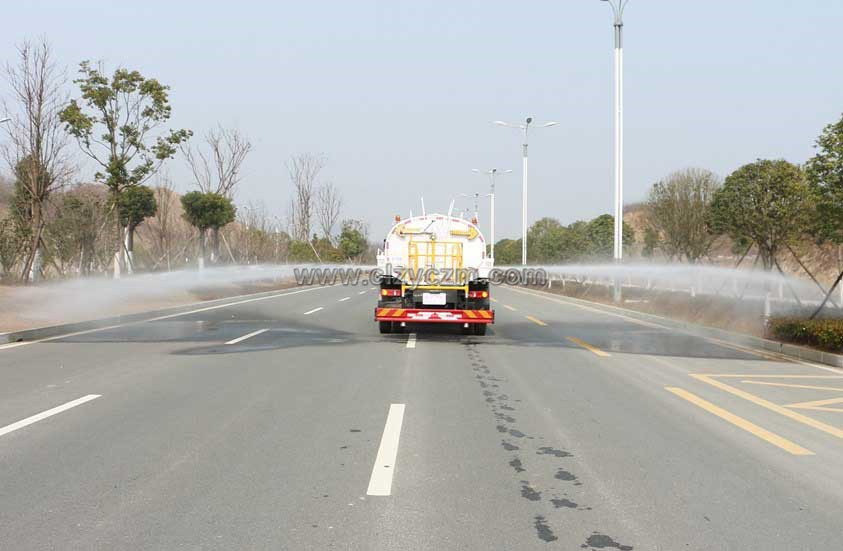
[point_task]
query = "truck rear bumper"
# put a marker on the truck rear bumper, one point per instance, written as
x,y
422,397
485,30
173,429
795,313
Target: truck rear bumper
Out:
x,y
433,315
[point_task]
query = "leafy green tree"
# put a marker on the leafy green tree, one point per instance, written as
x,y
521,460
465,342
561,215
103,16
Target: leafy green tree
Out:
x,y
353,242
825,176
117,122
508,252
676,210
206,211
136,204
74,227
600,233
326,250
768,202
545,240
301,251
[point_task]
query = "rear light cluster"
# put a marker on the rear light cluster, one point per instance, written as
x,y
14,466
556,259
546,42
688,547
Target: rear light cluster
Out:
x,y
390,292
478,294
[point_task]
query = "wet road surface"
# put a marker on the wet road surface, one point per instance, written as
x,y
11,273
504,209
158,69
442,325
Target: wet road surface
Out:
x,y
290,423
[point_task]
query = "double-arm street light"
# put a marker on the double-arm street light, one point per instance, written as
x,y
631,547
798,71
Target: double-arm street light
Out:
x,y
491,173
617,9
525,128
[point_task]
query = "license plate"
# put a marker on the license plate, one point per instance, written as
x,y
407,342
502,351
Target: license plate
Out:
x,y
434,299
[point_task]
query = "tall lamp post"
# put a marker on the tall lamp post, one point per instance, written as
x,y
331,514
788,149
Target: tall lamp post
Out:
x,y
617,10
491,173
525,128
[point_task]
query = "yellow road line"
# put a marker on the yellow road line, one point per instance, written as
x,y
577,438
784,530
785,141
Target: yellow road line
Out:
x,y
804,419
536,321
750,350
818,405
508,307
771,376
740,422
589,347
809,387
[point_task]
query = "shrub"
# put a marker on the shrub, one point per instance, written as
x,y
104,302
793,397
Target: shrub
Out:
x,y
826,334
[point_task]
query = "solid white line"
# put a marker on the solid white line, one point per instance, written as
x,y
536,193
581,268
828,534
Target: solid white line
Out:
x,y
411,341
343,299
159,318
361,292
312,311
49,413
247,336
381,482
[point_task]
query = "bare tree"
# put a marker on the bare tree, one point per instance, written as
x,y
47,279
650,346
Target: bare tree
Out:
x,y
217,166
36,147
304,172
161,225
328,205
676,209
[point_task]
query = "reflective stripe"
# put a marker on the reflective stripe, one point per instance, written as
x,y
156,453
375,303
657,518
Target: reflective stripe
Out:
x,y
470,313
398,313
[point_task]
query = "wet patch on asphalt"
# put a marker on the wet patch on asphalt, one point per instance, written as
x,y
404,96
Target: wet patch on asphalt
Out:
x,y
543,531
527,492
562,474
600,541
547,450
562,502
500,403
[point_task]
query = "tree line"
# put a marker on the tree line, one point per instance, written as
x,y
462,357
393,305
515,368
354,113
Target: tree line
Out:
x,y
549,242
60,223
766,207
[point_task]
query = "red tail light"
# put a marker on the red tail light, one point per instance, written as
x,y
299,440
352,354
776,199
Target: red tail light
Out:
x,y
390,292
478,294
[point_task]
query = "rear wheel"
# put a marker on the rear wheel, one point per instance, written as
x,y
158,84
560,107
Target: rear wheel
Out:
x,y
385,326
479,328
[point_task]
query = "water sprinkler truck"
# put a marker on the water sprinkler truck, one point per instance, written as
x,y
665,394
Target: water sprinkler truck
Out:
x,y
435,270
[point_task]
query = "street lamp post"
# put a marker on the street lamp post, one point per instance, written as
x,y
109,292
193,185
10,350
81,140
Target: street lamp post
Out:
x,y
617,10
525,129
492,173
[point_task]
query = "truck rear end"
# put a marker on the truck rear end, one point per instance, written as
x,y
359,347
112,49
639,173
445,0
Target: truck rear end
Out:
x,y
435,270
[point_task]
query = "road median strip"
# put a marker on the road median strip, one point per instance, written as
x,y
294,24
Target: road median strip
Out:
x,y
740,422
757,400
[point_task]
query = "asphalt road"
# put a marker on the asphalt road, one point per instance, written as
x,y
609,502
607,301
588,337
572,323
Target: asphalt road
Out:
x,y
566,427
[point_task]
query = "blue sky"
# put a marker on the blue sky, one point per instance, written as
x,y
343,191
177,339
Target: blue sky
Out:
x,y
400,95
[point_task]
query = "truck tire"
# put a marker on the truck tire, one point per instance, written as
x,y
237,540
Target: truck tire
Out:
x,y
385,327
480,329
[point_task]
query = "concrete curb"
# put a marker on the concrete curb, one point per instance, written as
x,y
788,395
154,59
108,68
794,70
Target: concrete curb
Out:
x,y
51,331
790,350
